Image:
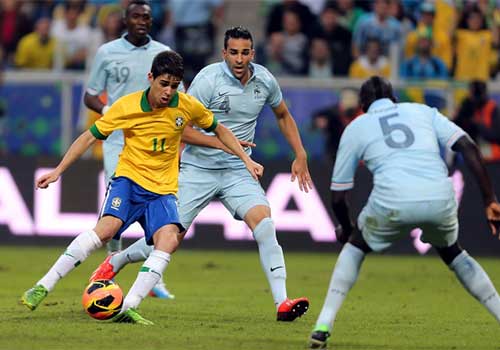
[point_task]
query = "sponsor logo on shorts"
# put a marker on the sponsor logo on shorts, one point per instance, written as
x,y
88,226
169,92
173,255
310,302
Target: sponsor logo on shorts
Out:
x,y
116,202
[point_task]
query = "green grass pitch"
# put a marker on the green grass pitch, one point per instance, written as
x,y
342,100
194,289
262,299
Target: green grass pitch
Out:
x,y
223,302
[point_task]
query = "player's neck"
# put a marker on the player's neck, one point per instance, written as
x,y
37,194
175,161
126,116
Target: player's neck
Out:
x,y
136,40
246,77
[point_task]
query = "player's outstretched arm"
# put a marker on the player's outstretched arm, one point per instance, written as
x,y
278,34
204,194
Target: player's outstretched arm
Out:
x,y
475,163
230,141
196,138
289,129
75,151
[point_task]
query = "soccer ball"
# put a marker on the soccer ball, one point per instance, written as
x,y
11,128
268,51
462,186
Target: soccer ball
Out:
x,y
102,299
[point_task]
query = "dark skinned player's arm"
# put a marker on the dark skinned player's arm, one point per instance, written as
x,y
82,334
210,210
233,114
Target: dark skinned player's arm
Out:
x,y
93,102
475,163
340,208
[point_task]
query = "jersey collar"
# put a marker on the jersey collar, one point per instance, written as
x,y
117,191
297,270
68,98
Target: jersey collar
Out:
x,y
381,103
146,107
128,45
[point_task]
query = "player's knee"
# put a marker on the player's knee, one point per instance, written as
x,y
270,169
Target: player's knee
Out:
x,y
448,254
167,238
105,233
357,240
265,231
256,215
107,227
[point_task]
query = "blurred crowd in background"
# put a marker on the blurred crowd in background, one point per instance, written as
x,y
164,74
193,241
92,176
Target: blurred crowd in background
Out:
x,y
410,40
316,38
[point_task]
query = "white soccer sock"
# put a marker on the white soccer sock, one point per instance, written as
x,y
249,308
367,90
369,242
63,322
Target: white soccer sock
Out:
x,y
149,274
343,278
138,251
476,282
271,259
114,245
78,250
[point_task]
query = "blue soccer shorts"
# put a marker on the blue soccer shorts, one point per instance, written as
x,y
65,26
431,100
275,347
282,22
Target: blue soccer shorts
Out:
x,y
129,202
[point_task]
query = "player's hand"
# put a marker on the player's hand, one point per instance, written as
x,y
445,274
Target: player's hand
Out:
x,y
46,179
244,144
300,172
254,168
493,216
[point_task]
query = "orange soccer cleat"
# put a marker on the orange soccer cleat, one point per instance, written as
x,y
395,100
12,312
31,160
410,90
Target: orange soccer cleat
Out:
x,y
104,271
289,310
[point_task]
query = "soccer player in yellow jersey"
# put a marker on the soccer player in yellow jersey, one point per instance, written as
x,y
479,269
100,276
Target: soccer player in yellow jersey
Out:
x,y
145,182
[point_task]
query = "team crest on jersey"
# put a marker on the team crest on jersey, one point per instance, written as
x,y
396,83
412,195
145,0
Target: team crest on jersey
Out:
x,y
116,202
179,121
256,92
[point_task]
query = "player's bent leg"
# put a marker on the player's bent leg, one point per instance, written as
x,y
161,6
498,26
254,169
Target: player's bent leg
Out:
x,y
357,240
343,278
78,250
114,246
472,277
270,252
273,263
111,154
166,240
138,251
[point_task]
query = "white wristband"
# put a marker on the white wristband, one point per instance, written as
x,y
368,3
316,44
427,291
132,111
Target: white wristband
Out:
x,y
104,109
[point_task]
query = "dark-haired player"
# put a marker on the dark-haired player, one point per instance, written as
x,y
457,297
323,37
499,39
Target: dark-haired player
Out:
x,y
399,143
120,67
145,183
235,90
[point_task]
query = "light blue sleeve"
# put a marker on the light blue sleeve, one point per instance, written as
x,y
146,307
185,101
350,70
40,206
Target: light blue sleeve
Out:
x,y
97,79
447,132
202,88
348,156
275,96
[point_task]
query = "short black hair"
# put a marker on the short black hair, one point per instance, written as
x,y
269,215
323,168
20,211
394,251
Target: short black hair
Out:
x,y
238,32
136,2
374,89
168,62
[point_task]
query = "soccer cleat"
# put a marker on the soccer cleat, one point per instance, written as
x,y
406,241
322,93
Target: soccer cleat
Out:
x,y
289,310
103,271
318,338
34,296
131,316
160,291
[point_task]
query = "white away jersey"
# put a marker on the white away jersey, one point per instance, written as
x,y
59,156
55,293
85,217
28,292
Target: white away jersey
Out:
x,y
120,68
399,143
236,106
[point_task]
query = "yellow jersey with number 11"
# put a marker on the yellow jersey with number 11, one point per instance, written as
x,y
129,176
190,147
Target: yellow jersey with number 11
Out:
x,y
150,156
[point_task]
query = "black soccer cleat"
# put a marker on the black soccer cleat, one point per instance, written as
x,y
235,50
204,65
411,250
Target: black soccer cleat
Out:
x,y
318,340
